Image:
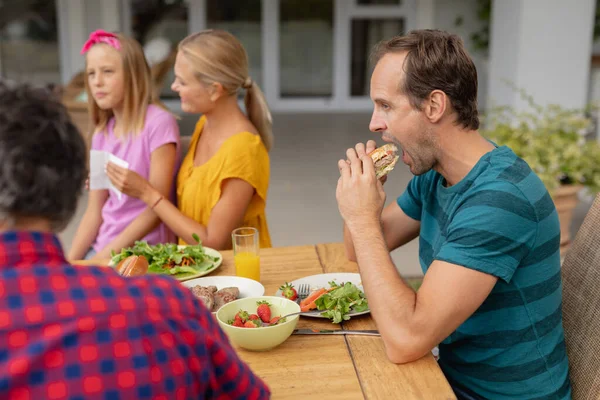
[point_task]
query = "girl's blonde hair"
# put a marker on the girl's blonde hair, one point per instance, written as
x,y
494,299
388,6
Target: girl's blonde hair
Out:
x,y
218,57
138,91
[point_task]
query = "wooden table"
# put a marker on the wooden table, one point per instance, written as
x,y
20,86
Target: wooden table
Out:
x,y
332,367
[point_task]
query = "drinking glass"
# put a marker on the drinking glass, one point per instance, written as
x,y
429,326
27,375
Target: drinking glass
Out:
x,y
245,252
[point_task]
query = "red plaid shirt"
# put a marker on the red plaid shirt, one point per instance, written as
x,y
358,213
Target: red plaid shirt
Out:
x,y
69,332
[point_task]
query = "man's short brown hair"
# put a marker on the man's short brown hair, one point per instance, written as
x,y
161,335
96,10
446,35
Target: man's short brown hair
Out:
x,y
436,60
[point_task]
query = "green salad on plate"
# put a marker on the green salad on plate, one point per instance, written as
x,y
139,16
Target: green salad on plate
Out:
x,y
341,301
181,262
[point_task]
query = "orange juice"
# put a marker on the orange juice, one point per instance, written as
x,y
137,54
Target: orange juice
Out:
x,y
247,265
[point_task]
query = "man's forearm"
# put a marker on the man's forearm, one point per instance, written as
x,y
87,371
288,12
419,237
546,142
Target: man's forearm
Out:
x,y
348,245
391,301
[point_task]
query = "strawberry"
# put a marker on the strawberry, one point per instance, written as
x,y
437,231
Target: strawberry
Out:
x,y
252,323
254,317
288,291
274,321
238,322
242,315
263,311
249,324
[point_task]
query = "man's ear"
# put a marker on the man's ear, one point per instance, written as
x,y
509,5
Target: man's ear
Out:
x,y
435,106
216,91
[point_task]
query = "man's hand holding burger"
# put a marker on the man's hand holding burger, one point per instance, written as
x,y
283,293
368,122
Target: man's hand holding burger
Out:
x,y
359,193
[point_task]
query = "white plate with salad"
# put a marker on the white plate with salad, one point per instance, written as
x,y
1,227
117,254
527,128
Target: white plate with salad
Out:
x,y
180,262
345,297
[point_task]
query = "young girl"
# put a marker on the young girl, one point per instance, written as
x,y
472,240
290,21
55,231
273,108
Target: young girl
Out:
x,y
224,179
130,123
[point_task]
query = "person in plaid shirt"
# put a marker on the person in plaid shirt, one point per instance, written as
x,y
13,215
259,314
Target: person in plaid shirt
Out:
x,y
74,332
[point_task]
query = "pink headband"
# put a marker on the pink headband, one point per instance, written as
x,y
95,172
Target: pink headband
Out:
x,y
101,36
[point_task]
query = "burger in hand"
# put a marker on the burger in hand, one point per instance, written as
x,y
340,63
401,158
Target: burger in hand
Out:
x,y
384,158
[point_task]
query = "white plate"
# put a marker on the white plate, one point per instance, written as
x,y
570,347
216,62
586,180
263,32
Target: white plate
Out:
x,y
248,287
189,275
322,281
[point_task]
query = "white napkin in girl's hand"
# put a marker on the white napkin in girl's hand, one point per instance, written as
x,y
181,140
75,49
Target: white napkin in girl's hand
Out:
x,y
98,177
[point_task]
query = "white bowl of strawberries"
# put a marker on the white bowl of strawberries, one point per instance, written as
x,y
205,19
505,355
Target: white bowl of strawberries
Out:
x,y
254,323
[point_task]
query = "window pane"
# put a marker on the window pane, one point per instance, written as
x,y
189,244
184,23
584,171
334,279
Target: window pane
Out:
x,y
29,42
159,25
366,33
244,22
306,48
379,2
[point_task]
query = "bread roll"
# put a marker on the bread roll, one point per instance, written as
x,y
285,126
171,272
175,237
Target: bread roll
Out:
x,y
133,266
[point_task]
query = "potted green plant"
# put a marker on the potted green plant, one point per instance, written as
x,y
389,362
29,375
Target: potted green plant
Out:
x,y
552,140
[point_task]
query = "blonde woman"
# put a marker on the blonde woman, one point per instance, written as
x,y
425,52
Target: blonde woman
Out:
x,y
131,124
224,178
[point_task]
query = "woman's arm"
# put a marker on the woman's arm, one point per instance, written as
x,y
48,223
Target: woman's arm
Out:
x,y
226,215
89,225
162,171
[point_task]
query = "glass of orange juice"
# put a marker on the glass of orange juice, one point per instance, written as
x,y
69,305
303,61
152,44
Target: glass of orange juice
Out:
x,y
245,253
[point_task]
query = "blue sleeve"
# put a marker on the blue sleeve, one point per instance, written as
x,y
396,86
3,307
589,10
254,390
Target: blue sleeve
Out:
x,y
492,232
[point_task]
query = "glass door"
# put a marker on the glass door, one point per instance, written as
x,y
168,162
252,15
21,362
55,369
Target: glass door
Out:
x,y
159,25
366,22
305,49
29,42
318,50
307,55
244,22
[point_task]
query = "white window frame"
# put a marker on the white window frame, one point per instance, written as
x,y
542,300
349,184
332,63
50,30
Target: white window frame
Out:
x,y
73,18
72,32
71,37
344,12
196,22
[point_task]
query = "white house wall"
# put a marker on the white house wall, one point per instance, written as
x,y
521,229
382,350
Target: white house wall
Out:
x,y
446,13
543,47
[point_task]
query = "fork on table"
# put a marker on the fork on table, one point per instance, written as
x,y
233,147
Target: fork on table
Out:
x,y
303,291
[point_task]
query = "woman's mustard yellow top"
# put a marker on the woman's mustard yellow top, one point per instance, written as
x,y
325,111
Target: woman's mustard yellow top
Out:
x,y
241,156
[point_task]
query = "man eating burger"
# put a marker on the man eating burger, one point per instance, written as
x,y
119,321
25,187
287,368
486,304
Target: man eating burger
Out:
x,y
488,231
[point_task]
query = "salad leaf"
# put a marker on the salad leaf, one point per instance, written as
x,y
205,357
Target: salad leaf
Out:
x,y
183,268
167,258
342,300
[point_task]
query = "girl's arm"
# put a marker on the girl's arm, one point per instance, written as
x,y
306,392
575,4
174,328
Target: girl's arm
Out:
x,y
89,225
162,171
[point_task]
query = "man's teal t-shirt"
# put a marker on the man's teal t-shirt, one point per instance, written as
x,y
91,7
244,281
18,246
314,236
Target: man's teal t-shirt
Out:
x,y
499,220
